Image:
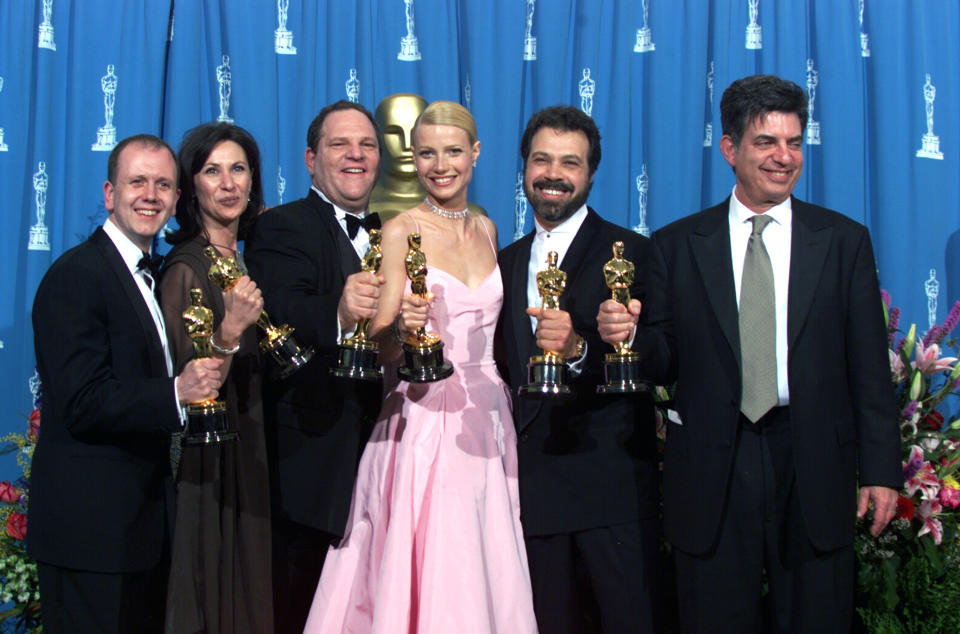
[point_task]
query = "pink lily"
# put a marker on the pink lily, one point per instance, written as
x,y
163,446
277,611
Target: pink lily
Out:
x,y
918,474
928,359
926,513
897,371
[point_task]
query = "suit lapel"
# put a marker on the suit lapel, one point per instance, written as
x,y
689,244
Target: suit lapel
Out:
x,y
525,344
523,334
158,361
580,247
710,247
809,243
346,256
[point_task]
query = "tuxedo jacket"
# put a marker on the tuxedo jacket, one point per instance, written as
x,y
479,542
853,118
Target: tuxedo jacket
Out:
x,y
843,415
589,461
101,478
316,424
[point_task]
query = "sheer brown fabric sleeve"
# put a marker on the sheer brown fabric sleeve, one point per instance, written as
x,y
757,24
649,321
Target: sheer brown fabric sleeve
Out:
x,y
175,287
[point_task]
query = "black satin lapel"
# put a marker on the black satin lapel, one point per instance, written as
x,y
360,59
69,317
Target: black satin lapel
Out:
x,y
349,261
526,343
711,252
346,256
523,334
808,252
131,291
582,244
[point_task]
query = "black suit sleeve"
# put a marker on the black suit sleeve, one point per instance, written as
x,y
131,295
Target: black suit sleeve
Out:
x,y
91,349
868,372
655,338
295,270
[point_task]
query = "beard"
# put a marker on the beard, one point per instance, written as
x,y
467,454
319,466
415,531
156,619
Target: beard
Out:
x,y
555,212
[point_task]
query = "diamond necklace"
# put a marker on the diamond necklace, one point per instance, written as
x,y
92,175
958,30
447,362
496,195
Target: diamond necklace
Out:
x,y
446,213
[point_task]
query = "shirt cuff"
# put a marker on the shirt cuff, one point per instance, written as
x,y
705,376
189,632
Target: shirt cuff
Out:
x,y
181,410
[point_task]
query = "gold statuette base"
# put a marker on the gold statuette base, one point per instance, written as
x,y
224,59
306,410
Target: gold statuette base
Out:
x,y
546,377
284,350
207,424
359,359
423,361
622,372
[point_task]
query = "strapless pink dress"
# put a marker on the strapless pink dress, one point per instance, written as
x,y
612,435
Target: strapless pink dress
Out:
x,y
433,543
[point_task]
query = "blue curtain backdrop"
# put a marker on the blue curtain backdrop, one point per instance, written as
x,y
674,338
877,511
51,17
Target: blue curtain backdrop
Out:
x,y
882,75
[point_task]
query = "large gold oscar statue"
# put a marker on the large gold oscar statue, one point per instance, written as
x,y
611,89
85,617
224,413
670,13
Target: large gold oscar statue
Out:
x,y
398,188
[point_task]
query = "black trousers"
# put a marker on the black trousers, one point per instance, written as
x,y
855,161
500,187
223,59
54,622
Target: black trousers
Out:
x,y
74,601
599,580
763,538
298,555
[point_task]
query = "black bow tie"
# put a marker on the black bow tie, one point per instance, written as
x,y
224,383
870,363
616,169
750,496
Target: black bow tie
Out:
x,y
150,263
368,222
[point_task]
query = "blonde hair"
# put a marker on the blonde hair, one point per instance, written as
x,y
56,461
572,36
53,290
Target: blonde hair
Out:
x,y
447,113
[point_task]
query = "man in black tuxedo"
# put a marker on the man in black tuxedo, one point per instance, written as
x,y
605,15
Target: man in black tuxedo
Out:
x,y
101,481
588,466
766,312
305,257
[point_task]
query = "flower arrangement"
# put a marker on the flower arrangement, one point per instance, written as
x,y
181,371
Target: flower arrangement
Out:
x,y
19,588
909,577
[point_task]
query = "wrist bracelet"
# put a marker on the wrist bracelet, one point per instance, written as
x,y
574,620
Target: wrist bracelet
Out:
x,y
225,351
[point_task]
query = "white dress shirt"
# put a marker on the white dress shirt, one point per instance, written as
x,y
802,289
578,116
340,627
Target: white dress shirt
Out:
x,y
131,255
361,243
557,239
776,239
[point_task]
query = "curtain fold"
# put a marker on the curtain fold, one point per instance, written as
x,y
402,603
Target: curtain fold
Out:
x,y
883,77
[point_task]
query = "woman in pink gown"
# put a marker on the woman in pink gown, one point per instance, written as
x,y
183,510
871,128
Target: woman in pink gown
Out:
x,y
433,543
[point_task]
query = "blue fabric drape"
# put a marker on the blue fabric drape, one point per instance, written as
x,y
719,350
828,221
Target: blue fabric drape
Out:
x,y
644,68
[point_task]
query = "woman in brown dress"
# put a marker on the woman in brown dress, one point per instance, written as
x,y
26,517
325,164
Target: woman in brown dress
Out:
x,y
220,577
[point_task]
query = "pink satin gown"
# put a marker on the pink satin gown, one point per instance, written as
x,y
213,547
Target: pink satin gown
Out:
x,y
433,542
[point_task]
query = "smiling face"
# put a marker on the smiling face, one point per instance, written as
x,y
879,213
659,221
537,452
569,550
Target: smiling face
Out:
x,y
768,161
145,193
223,185
345,162
557,177
444,157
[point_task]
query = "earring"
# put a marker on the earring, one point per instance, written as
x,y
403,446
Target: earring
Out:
x,y
474,162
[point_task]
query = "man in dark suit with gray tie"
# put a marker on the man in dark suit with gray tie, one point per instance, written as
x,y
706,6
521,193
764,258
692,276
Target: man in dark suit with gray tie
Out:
x,y
101,484
766,312
306,258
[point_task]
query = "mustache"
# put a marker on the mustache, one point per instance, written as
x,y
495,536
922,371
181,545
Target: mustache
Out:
x,y
546,183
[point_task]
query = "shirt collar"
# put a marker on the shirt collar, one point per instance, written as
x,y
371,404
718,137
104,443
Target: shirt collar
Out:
x,y
129,251
340,213
740,213
570,225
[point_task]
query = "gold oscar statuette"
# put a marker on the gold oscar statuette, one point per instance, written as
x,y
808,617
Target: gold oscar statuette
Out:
x,y
422,351
278,342
621,368
359,356
206,420
547,372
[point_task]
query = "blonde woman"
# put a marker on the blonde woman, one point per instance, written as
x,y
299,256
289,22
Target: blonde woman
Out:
x,y
434,543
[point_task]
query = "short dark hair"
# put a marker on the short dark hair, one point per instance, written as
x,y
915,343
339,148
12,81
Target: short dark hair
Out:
x,y
567,119
750,98
149,140
313,132
195,149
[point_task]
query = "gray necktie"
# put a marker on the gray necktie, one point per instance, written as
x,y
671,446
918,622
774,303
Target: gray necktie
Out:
x,y
758,327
